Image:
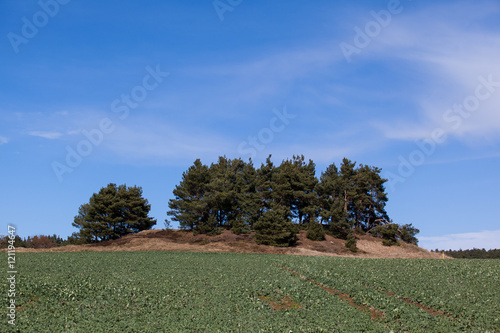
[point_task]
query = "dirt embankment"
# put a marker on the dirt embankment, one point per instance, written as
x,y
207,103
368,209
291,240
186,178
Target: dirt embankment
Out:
x,y
179,240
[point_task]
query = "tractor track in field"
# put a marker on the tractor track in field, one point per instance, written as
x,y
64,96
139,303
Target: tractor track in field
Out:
x,y
426,308
374,313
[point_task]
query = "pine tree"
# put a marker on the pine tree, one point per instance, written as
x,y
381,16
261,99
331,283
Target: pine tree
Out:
x,y
348,185
282,187
247,205
275,227
190,207
407,233
315,231
113,212
303,185
293,186
265,187
220,194
369,200
351,243
332,202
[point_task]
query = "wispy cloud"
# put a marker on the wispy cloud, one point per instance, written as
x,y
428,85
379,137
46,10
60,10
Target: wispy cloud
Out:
x,y
46,135
3,140
452,55
74,132
484,239
164,144
259,76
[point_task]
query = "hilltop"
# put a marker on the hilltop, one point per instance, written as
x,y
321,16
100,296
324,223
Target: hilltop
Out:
x,y
180,240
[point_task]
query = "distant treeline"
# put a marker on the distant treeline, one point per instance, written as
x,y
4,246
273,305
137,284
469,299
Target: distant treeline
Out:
x,y
37,242
472,254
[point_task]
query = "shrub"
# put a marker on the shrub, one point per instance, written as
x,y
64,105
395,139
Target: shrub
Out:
x,y
389,242
351,243
388,232
340,229
238,226
315,231
275,228
407,234
359,231
209,228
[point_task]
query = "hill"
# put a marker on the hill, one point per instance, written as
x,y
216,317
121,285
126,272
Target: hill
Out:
x,y
180,240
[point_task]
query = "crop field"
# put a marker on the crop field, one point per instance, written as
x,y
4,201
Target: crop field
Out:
x,y
227,292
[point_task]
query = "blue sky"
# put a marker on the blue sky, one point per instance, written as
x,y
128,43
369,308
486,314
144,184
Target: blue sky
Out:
x,y
133,92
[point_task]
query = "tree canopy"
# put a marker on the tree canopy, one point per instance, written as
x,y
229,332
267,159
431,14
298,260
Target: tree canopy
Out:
x,y
113,212
277,201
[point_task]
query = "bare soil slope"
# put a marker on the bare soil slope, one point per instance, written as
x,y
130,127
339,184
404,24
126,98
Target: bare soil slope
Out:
x,y
179,240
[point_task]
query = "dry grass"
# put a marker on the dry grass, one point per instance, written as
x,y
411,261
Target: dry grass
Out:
x,y
178,240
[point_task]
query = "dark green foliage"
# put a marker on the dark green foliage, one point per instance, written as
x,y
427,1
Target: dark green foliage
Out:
x,y
388,232
389,242
240,227
351,243
472,253
358,231
275,228
75,239
392,232
293,186
223,195
18,242
233,195
210,227
407,234
113,212
351,197
370,198
315,231
189,207
331,201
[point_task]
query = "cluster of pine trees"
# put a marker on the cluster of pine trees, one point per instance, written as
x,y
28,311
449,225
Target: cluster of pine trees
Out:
x,y
274,201
277,201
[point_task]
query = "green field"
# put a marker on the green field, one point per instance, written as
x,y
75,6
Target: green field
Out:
x,y
224,292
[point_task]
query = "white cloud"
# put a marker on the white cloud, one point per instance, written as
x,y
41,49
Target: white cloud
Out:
x,y
74,132
46,135
155,143
484,239
3,140
451,56
269,74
